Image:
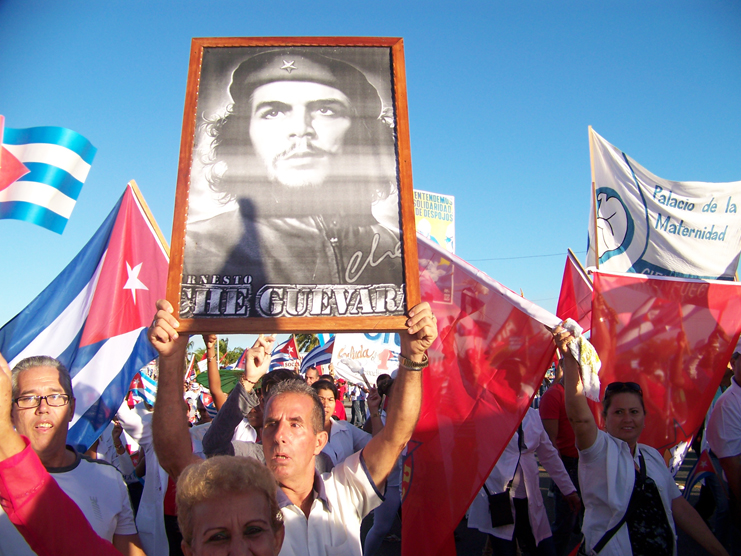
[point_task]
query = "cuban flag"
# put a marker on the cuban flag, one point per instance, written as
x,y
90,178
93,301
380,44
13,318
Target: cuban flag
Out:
x,y
281,361
240,363
190,374
93,316
149,392
288,347
703,468
42,170
208,403
134,396
320,355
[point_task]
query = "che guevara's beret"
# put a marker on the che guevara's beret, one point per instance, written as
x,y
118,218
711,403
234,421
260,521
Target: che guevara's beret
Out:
x,y
301,64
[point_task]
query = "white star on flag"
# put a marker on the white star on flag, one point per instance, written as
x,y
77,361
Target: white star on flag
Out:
x,y
133,283
290,351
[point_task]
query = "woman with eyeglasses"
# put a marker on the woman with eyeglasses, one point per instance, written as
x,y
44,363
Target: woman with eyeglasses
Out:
x,y
631,500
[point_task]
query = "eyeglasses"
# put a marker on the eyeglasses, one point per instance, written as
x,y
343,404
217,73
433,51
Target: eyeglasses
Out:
x,y
621,387
52,400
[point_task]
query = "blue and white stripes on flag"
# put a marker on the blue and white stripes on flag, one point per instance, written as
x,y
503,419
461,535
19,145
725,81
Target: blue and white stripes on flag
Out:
x,y
149,392
58,160
320,355
54,323
208,403
703,468
280,361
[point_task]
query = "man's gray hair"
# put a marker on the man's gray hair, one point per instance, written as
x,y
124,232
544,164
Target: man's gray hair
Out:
x,y
42,361
298,386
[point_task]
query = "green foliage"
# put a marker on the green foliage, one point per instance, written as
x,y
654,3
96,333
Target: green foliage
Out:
x,y
306,342
232,356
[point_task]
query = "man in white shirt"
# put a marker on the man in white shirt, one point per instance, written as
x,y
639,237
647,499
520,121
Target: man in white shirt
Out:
x,y
322,513
43,406
724,438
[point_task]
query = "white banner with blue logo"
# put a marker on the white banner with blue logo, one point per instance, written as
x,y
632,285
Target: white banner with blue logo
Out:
x,y
370,354
650,225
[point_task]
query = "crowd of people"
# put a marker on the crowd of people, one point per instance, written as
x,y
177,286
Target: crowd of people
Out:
x,y
314,481
278,471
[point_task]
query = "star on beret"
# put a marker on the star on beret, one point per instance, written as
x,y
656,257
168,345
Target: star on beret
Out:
x,y
288,66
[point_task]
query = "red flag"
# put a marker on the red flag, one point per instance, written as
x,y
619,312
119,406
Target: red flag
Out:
x,y
672,336
134,271
575,299
492,352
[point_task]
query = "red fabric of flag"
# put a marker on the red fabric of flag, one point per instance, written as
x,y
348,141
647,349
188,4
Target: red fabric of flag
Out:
x,y
489,359
134,271
672,336
288,347
575,299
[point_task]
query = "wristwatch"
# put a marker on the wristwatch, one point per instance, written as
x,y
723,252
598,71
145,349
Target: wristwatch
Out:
x,y
413,365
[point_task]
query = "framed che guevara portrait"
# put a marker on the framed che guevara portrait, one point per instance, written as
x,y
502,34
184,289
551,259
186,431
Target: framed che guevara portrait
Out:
x,y
294,207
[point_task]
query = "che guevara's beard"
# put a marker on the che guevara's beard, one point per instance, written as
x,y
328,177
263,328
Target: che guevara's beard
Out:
x,y
303,164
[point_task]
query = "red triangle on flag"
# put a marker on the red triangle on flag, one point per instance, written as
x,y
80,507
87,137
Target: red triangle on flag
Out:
x,y
133,277
11,169
289,347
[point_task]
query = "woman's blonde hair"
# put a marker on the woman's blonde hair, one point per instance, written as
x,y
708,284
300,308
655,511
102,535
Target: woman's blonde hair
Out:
x,y
220,476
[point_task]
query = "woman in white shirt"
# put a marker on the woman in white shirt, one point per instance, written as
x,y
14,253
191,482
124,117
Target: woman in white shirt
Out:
x,y
630,498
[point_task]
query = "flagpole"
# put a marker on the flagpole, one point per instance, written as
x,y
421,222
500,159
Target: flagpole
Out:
x,y
583,270
150,216
594,196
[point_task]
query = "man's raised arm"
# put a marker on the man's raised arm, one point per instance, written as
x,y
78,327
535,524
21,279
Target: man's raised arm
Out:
x,y
218,438
381,453
170,420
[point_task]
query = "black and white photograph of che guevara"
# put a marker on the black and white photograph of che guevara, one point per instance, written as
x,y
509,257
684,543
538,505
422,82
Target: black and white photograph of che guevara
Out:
x,y
293,206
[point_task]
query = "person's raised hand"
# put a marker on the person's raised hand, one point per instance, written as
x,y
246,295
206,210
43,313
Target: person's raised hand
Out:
x,y
563,338
374,401
209,340
163,332
421,332
257,361
6,393
10,441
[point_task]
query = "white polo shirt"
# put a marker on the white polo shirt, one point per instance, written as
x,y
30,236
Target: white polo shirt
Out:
x,y
724,427
342,498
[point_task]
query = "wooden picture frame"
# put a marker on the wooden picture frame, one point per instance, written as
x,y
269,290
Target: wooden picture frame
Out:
x,y
294,208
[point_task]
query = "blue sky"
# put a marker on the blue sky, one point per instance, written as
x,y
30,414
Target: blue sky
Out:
x,y
500,95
